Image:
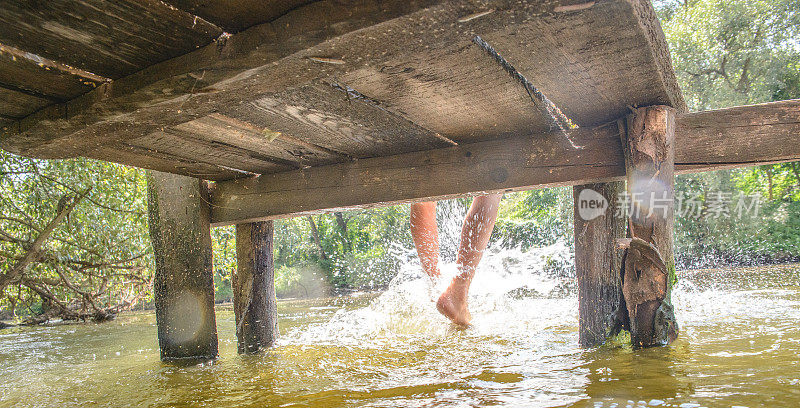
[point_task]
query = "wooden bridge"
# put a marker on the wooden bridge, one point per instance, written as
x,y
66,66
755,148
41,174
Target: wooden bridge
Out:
x,y
298,106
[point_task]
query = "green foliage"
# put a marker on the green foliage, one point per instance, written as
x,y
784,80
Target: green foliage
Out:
x,y
223,243
535,218
733,52
728,53
99,257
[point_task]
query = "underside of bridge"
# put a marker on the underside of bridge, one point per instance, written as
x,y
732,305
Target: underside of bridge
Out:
x,y
293,106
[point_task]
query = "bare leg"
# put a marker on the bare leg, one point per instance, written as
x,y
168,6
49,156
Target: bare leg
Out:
x,y
425,233
475,233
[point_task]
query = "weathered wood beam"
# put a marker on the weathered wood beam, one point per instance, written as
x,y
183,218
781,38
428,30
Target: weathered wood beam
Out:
x,y
737,137
184,283
210,79
254,303
500,165
44,77
704,141
649,260
599,223
414,59
109,38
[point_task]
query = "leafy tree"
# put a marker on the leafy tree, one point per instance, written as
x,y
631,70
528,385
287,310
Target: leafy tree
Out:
x,y
733,52
728,53
73,238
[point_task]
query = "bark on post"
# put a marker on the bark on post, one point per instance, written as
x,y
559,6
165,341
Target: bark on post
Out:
x,y
649,262
179,218
254,301
598,225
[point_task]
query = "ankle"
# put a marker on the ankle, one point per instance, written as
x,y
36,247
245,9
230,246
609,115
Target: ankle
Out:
x,y
458,289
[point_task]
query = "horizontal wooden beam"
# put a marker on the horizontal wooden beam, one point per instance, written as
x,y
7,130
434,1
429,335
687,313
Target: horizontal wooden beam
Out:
x,y
735,137
330,74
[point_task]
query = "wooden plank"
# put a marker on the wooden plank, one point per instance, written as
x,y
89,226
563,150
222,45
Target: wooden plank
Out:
x,y
332,122
190,148
458,92
191,86
337,120
236,15
432,73
517,163
15,104
49,79
164,162
260,139
740,136
492,166
108,38
577,59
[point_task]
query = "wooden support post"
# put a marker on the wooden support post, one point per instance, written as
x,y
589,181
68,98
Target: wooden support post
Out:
x,y
179,217
598,225
254,301
649,263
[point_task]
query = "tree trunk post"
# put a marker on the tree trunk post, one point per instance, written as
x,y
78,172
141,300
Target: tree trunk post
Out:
x,y
598,225
179,218
649,262
254,301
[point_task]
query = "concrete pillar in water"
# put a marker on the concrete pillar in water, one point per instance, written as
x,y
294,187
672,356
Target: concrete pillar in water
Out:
x,y
254,301
179,218
648,273
598,225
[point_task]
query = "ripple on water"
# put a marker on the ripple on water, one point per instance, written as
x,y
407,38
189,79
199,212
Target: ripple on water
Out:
x,y
739,346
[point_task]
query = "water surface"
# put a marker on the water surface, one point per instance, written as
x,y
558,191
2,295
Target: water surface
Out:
x,y
739,346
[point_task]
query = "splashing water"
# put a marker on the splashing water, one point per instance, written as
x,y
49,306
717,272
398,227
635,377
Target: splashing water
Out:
x,y
510,283
738,347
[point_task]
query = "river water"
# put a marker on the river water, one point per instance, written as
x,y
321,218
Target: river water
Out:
x,y
739,346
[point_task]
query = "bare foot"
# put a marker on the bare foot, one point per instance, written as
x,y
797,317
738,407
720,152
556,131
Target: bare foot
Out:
x,y
453,305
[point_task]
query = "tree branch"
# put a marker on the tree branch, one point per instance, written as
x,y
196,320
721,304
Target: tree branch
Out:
x,y
33,252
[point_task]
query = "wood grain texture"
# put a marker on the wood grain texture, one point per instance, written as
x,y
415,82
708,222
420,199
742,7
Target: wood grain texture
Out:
x,y
414,59
648,144
520,162
38,76
208,151
322,115
108,38
15,104
254,304
593,63
183,287
492,166
262,141
739,136
164,162
199,83
236,15
598,264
